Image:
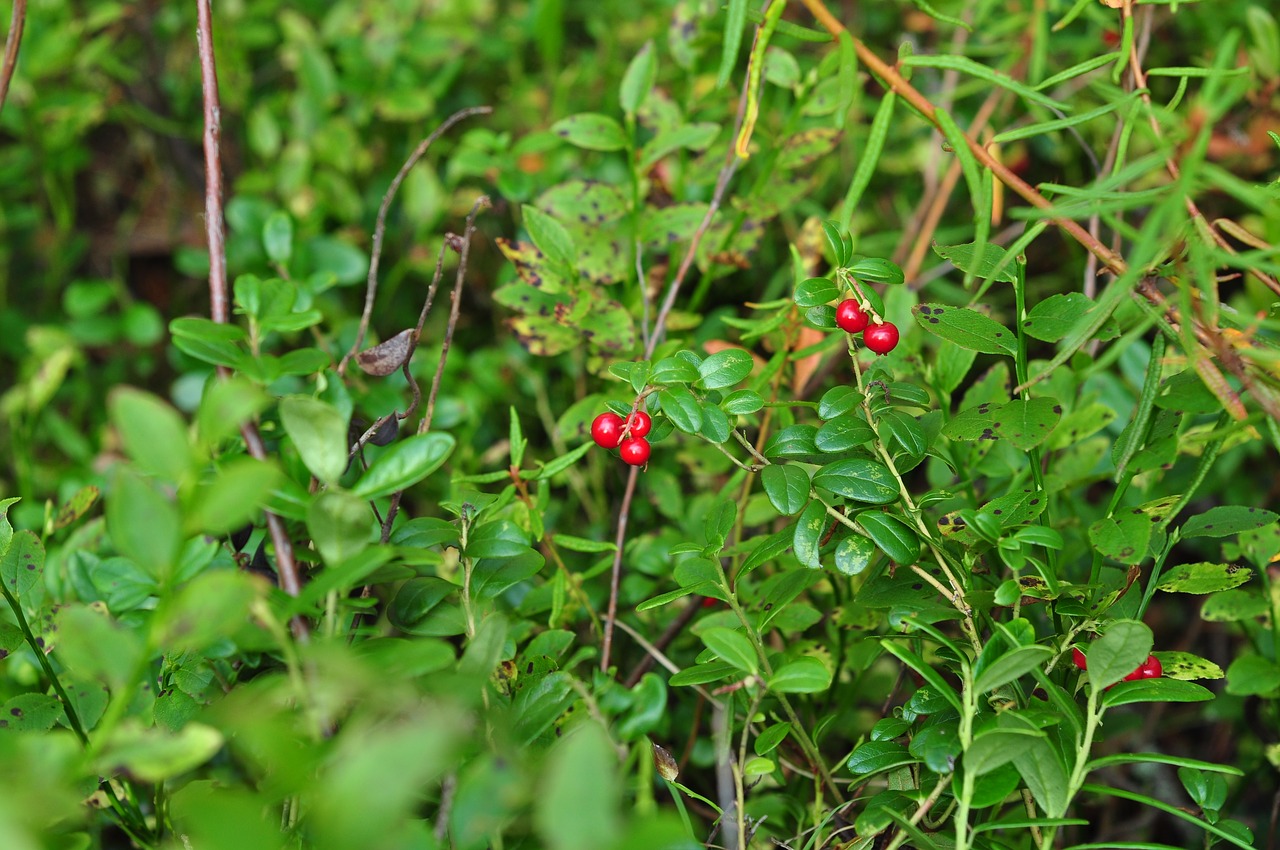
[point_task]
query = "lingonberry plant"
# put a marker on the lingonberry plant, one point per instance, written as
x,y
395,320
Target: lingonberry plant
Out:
x,y
934,396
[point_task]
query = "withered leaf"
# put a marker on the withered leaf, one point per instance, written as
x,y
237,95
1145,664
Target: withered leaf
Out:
x,y
386,357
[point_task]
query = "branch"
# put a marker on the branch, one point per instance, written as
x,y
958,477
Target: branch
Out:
x,y
286,566
11,43
380,228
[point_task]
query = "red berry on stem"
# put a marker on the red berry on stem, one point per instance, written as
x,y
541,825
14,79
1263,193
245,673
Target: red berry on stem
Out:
x,y
606,430
851,317
1151,668
1078,659
639,423
881,338
635,451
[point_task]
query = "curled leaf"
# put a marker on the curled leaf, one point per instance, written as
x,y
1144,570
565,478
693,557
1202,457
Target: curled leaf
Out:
x,y
386,357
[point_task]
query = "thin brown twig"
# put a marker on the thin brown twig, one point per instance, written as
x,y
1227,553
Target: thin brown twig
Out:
x,y
286,565
12,41
380,227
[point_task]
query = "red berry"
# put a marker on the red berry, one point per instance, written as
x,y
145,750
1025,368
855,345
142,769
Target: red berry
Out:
x,y
1078,659
635,451
851,317
1135,675
639,423
710,602
1151,668
606,430
881,338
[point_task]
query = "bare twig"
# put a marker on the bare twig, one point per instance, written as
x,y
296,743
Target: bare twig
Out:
x,y
379,230
286,565
11,44
674,628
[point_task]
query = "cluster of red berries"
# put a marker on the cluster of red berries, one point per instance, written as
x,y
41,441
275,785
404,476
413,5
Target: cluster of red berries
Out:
x,y
881,337
1149,669
611,431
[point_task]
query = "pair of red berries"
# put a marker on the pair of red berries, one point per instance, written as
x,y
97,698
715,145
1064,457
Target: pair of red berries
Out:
x,y
611,431
880,338
1149,669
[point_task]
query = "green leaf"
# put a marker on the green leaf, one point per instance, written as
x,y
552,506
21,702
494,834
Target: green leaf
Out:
x,y
807,146
876,756
225,406
968,66
715,424
768,549
853,554
734,24
815,292
591,131
682,408
1026,423
1119,651
903,430
93,646
233,497
966,328
319,432
838,401
725,368
1042,770
742,403
875,270
858,479
894,537
732,647
807,540
701,674
153,754
31,712
997,746
1123,537
153,433
1252,675
405,464
805,675
143,524
340,525
209,341
697,137
22,566
277,237
965,258
549,236
787,487
1231,606
952,366
842,433
1227,521
1009,667
768,740
639,79
1156,690
674,370
1204,577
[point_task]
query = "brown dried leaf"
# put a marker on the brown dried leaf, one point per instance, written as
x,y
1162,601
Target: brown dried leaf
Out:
x,y
665,764
386,357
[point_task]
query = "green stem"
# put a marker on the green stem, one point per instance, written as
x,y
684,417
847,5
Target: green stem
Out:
x,y
73,719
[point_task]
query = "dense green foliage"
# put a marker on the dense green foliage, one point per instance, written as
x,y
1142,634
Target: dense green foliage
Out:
x,y
849,585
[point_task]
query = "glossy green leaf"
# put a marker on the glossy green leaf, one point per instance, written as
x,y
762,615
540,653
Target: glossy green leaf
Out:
x,y
725,368
816,291
838,401
1026,423
1056,316
787,487
404,464
876,756
732,647
842,433
715,424
858,479
1252,675
22,566
795,441
1010,666
234,496
742,403
894,537
682,408
805,675
768,740
809,531
1156,690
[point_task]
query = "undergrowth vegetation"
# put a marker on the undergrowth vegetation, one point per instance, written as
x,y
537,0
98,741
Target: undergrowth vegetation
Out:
x,y
593,425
